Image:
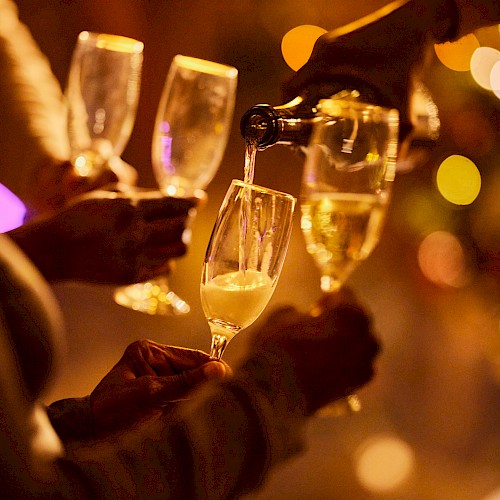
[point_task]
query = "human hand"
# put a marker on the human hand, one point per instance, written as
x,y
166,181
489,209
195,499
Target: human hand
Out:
x,y
110,237
313,358
58,182
148,378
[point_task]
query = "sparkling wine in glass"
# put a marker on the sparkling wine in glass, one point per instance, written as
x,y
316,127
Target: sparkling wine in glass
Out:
x,y
191,131
346,185
102,94
244,259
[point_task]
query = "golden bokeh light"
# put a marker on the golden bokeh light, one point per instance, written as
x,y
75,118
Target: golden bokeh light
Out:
x,y
383,463
494,495
457,55
495,79
442,261
458,180
481,65
298,43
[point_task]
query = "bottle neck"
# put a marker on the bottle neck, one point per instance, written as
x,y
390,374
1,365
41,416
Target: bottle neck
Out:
x,y
265,125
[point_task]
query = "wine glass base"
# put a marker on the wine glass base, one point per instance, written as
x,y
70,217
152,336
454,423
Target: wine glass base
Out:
x,y
151,298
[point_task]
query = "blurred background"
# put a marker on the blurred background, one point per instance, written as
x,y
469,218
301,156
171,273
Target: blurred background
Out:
x,y
429,428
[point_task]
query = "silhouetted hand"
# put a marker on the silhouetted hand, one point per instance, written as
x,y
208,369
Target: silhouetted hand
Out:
x,y
311,359
57,183
386,56
109,237
148,378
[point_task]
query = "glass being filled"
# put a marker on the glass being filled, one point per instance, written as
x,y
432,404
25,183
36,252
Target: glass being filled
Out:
x,y
244,259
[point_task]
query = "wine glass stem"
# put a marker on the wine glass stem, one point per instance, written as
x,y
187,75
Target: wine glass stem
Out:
x,y
219,343
329,284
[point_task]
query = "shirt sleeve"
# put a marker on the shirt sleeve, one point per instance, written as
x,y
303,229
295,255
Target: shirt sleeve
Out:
x,y
32,111
220,445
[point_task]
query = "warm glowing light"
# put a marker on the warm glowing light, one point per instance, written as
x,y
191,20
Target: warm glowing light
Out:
x,y
119,43
442,259
297,44
209,67
457,55
82,166
383,463
481,65
494,495
425,116
495,79
458,180
12,210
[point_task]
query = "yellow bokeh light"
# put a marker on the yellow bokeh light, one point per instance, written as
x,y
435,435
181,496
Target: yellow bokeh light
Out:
x,y
297,44
495,79
458,180
383,463
481,65
457,55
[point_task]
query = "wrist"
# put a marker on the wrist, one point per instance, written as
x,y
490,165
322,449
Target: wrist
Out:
x,y
71,418
445,19
36,240
274,377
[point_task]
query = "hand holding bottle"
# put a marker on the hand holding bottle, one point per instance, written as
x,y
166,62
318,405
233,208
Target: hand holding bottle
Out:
x,y
382,54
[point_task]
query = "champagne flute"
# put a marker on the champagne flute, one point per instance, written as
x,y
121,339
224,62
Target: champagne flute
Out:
x,y
244,259
102,95
348,172
191,131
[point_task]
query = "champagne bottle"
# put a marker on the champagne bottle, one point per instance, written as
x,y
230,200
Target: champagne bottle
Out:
x,y
290,124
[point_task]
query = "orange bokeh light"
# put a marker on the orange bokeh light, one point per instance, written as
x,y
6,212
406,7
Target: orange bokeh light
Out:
x,y
457,55
298,43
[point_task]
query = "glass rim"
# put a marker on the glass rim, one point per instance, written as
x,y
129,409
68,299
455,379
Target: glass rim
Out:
x,y
206,66
262,189
115,43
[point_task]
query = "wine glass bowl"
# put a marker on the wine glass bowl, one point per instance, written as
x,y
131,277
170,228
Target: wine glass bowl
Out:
x,y
102,95
244,259
190,135
192,124
348,173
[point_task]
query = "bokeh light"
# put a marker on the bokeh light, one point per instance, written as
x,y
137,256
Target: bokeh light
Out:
x,y
458,180
383,463
495,79
442,261
494,495
481,65
297,44
12,210
457,55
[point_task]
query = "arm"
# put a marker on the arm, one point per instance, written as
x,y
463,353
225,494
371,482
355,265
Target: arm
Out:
x,y
224,441
477,14
33,137
34,160
218,445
